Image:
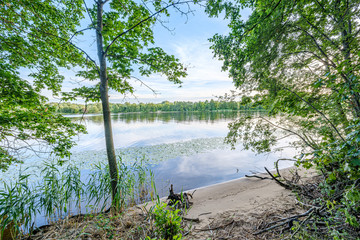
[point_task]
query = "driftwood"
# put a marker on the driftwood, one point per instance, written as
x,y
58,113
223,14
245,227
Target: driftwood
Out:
x,y
278,182
180,201
191,219
255,176
286,221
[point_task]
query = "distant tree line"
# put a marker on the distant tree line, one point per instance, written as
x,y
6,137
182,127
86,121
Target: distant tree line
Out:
x,y
165,106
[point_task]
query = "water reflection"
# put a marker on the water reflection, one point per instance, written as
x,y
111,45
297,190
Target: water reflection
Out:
x,y
187,147
139,129
215,165
129,118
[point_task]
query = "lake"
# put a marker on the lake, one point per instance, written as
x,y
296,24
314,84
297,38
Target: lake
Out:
x,y
183,149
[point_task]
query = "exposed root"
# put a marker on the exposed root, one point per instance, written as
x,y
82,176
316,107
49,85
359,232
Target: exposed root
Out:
x,y
180,201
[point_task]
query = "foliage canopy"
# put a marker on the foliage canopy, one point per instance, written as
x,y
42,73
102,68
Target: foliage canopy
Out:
x,y
31,40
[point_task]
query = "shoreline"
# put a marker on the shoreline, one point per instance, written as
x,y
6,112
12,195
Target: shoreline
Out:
x,y
261,174
236,189
214,187
245,200
235,209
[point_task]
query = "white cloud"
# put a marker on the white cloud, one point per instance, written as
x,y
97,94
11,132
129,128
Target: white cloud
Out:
x,y
204,81
203,66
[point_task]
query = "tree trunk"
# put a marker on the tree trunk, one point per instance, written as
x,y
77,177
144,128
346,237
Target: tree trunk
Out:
x,y
346,38
113,168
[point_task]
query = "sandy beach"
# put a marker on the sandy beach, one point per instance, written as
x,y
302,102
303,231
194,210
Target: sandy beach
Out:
x,y
236,209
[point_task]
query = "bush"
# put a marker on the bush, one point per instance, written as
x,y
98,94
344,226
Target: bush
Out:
x,y
167,222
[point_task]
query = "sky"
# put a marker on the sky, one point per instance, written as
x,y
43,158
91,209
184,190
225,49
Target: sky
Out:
x,y
188,41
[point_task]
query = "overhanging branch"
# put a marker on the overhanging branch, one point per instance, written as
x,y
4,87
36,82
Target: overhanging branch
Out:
x,y
290,131
317,45
318,111
141,22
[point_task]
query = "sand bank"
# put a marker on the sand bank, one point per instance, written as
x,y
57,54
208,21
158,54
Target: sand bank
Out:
x,y
238,207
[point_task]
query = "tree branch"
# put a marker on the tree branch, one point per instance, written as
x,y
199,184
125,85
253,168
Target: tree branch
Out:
x,y
322,33
318,111
317,45
288,130
310,211
318,3
260,21
82,30
354,36
309,52
156,18
88,12
277,181
142,83
80,49
136,59
141,22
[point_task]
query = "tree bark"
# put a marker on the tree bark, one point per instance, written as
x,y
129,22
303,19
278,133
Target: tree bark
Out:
x,y
113,168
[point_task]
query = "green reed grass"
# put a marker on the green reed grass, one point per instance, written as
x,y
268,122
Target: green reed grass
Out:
x,y
62,190
17,203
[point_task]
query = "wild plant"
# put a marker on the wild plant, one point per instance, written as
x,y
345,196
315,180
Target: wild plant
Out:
x,y
167,221
18,204
63,190
131,178
98,186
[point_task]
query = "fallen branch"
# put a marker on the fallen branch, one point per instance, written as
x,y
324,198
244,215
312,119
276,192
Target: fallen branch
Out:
x,y
280,183
306,205
205,213
191,219
286,221
301,224
255,176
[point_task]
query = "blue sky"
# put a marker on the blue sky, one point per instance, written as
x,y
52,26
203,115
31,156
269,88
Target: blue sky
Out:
x,y
189,42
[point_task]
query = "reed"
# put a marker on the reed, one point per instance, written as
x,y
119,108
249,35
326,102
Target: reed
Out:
x,y
63,191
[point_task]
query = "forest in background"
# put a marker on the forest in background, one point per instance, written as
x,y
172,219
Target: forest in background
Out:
x,y
166,106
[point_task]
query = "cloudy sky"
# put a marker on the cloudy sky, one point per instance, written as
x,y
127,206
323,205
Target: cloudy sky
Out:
x,y
189,42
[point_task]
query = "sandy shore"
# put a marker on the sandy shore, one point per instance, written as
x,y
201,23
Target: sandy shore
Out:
x,y
245,202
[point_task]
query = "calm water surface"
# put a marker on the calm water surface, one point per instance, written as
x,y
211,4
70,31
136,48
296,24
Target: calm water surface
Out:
x,y
184,149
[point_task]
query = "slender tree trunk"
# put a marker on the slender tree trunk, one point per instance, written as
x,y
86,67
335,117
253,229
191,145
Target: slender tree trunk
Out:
x,y
347,76
105,104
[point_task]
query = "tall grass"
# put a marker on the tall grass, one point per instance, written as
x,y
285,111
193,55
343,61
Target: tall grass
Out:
x,y
64,191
